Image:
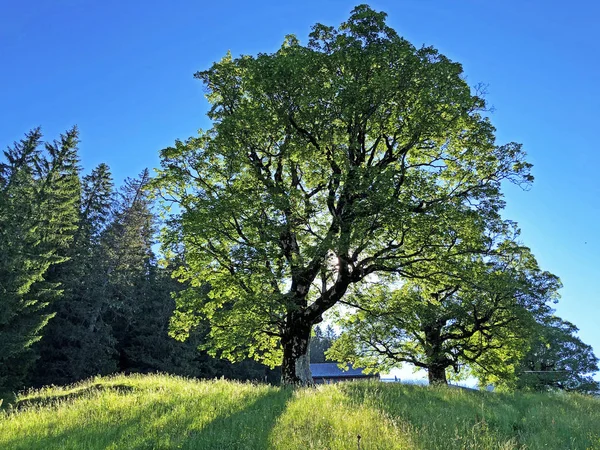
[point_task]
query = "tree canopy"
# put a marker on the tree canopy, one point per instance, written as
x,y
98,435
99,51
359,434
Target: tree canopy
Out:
x,y
558,359
354,155
481,311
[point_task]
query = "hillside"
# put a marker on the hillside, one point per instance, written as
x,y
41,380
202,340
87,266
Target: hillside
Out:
x,y
163,412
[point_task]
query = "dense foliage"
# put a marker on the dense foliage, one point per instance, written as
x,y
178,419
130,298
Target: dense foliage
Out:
x,y
483,310
558,359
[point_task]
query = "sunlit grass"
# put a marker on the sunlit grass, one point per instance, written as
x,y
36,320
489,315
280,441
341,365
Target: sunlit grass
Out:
x,y
326,418
164,412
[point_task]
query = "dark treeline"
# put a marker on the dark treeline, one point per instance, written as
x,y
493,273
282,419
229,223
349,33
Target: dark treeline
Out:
x,y
82,293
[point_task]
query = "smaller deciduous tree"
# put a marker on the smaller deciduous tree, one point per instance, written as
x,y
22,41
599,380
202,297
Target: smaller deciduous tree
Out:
x,y
484,308
558,359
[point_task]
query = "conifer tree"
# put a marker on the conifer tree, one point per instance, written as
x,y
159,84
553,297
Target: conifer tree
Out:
x,y
77,342
38,218
131,261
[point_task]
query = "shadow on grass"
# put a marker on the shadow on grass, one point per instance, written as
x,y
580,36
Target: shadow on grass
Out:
x,y
45,400
248,428
443,417
160,424
77,435
447,418
6,400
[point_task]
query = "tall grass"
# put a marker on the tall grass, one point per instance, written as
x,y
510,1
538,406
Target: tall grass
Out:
x,y
164,412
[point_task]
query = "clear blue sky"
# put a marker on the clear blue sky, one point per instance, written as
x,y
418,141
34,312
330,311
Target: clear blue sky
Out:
x,y
122,71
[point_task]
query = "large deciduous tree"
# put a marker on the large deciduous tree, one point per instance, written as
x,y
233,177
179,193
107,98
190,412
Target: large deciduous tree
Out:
x,y
354,155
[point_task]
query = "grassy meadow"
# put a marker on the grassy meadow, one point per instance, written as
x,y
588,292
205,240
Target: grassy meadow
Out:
x,y
165,412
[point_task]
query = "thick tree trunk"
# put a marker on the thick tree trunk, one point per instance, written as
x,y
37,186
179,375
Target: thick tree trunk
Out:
x,y
437,374
436,357
295,369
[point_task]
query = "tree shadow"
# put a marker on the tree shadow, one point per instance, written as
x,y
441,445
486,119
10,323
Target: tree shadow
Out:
x,y
245,429
56,399
443,417
162,424
77,436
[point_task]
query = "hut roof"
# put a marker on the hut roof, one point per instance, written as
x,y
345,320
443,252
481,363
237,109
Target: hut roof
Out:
x,y
331,370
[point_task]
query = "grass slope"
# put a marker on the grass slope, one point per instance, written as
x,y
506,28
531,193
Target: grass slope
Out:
x,y
164,412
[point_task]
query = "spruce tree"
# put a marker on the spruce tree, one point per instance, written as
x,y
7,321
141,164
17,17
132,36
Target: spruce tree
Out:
x,y
131,261
77,342
38,218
